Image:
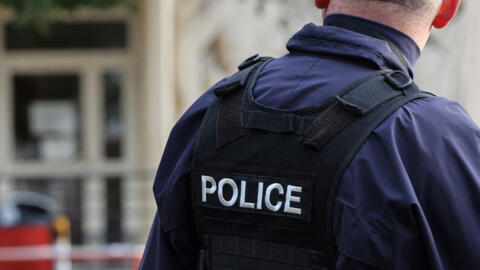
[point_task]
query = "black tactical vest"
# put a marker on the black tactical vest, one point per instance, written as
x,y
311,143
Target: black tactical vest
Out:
x,y
263,179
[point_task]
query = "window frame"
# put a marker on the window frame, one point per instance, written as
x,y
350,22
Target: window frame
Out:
x,y
93,167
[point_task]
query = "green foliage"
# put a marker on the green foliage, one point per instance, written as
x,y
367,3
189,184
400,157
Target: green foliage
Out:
x,y
40,13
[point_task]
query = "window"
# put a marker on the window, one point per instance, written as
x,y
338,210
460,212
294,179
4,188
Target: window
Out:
x,y
71,114
61,36
114,209
47,117
113,118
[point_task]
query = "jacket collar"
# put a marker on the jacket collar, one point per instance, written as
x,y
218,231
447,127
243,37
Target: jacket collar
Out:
x,y
338,41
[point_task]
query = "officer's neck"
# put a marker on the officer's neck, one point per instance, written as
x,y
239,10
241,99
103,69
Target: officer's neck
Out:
x,y
419,31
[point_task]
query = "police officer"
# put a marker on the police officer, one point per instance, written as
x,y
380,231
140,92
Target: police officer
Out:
x,y
238,189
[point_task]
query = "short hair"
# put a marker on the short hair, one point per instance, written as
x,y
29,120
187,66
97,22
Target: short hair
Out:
x,y
413,4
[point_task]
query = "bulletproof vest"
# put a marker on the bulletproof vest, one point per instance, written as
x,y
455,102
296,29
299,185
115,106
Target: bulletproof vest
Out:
x,y
263,179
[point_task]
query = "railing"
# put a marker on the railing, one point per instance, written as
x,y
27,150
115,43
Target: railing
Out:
x,y
65,257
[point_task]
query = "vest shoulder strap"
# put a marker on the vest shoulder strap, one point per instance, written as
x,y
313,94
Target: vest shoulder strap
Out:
x,y
370,110
356,102
231,93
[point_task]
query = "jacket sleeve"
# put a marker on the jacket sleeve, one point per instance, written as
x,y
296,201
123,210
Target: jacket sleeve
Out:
x,y
410,198
159,253
449,191
171,243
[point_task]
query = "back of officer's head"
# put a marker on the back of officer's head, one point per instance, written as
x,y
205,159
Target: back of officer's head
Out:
x,y
414,7
412,4
400,7
406,12
414,17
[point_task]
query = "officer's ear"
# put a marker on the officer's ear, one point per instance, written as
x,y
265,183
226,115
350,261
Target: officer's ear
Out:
x,y
322,4
446,13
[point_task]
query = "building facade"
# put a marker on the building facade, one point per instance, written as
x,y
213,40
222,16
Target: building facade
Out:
x,y
213,36
86,112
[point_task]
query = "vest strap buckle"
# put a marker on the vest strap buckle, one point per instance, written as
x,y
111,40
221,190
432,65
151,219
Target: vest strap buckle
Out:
x,y
249,61
236,82
398,79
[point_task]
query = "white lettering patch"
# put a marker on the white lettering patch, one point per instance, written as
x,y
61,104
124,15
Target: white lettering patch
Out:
x,y
256,194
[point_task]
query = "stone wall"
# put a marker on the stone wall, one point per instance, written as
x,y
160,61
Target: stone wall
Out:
x,y
213,36
450,64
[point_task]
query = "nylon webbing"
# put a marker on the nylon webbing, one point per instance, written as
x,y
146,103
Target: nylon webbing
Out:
x,y
350,141
229,127
231,94
328,125
247,252
280,123
235,82
353,104
366,97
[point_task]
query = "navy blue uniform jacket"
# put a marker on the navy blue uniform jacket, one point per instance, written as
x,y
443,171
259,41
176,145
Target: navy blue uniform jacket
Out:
x,y
410,199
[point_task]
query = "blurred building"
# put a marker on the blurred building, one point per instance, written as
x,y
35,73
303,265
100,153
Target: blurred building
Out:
x,y
85,112
450,64
213,36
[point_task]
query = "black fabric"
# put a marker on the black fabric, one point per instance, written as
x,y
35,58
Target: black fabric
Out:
x,y
263,255
263,198
398,79
227,89
250,61
247,189
359,101
367,96
234,83
328,125
281,123
229,125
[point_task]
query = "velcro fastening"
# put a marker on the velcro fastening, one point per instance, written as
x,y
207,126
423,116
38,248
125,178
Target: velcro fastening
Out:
x,y
229,119
326,127
234,83
356,103
231,94
367,96
227,89
252,60
278,123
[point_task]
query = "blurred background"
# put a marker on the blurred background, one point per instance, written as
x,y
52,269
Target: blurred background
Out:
x,y
89,90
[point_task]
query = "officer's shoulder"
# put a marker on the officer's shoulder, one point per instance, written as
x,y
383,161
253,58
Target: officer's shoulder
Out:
x,y
440,110
200,105
433,117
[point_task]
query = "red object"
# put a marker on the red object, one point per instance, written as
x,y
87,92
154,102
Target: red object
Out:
x,y
447,12
26,236
321,4
136,262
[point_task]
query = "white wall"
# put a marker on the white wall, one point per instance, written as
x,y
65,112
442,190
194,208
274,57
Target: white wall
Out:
x,y
213,36
450,64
